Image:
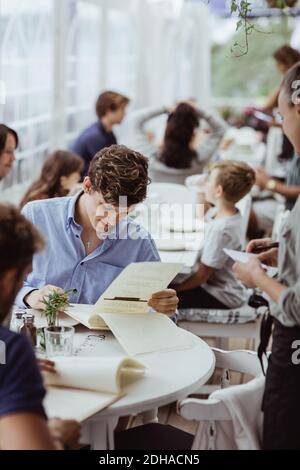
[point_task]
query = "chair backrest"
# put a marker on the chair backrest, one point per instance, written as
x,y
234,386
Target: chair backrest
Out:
x,y
244,206
212,411
243,361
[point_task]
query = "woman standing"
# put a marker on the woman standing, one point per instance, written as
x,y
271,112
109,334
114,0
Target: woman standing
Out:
x,y
281,404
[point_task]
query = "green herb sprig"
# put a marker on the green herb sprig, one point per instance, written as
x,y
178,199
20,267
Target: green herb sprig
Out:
x,y
56,302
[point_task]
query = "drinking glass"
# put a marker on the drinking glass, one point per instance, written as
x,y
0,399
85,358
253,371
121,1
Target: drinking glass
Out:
x,y
59,340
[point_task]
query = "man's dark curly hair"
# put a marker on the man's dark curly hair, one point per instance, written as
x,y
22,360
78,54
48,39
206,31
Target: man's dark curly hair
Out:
x,y
118,171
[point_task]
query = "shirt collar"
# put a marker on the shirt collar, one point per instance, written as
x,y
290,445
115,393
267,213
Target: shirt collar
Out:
x,y
71,209
102,128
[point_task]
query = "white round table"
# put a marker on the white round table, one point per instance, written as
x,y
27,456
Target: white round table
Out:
x,y
169,376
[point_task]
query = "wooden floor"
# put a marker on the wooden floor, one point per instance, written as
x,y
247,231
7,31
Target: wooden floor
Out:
x,y
168,415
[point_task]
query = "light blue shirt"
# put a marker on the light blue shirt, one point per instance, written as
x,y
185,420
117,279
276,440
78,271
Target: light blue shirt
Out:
x,y
63,263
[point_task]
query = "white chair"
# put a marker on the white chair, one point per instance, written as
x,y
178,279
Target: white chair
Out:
x,y
212,411
244,206
274,149
222,332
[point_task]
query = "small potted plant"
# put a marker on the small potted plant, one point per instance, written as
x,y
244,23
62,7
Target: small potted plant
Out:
x,y
55,303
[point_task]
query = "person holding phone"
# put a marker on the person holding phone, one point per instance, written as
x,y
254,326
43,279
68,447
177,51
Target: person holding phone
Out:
x,y
281,403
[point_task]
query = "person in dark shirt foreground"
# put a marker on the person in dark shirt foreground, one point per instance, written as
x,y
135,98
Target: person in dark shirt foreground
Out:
x,y
23,423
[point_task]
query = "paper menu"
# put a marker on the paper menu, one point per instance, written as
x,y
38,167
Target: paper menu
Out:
x,y
83,313
83,386
148,333
132,289
239,256
243,257
137,330
138,281
100,374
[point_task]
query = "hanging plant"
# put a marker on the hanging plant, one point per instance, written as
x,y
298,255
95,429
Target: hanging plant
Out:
x,y
242,9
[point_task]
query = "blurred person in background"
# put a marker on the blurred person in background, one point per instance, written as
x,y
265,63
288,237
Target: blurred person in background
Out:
x,y
181,155
59,175
9,142
110,110
285,57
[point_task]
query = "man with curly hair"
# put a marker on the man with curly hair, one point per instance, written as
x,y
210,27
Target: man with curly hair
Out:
x,y
89,237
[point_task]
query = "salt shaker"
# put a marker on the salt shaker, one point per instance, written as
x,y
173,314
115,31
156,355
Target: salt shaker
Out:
x,y
29,329
17,320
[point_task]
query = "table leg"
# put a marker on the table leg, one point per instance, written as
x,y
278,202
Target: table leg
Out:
x,y
150,416
101,434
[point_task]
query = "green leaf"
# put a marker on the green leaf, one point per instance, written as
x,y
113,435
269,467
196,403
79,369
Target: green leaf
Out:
x,y
239,24
234,7
55,303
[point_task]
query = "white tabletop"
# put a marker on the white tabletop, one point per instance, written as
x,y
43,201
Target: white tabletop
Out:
x,y
188,257
169,376
256,157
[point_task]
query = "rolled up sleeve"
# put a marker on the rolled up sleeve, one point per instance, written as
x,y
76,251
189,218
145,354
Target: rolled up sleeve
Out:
x,y
289,304
26,289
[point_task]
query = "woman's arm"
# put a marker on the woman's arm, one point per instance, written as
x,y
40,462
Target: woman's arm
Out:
x,y
269,285
139,122
272,99
253,275
210,145
290,192
288,298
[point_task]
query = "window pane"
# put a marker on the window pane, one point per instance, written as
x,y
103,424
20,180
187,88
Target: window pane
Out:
x,y
26,68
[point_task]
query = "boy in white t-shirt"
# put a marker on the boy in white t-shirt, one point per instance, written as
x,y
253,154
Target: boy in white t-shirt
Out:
x,y
214,285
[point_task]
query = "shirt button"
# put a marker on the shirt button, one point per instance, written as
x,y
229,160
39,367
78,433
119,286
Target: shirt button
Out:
x,y
82,263
77,236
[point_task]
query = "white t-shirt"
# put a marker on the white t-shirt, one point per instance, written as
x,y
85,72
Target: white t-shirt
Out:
x,y
226,232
